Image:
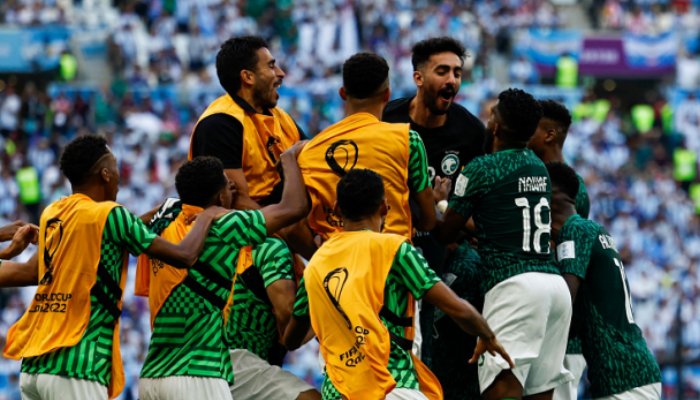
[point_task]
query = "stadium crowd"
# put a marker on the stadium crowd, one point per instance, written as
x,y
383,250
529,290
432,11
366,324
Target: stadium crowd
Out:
x,y
165,42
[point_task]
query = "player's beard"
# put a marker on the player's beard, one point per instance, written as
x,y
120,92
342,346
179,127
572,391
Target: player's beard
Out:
x,y
265,95
432,99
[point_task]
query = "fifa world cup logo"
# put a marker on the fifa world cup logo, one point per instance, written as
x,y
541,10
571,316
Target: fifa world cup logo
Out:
x,y
341,156
52,239
334,283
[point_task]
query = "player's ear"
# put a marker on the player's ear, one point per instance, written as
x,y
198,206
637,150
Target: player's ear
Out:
x,y
418,78
336,210
550,136
387,95
104,174
342,93
247,77
383,208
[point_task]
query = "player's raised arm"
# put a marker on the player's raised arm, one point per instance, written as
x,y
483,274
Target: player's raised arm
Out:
x,y
294,205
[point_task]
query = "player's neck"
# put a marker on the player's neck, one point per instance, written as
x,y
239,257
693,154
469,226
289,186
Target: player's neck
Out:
x,y
564,212
553,154
247,96
96,193
374,109
421,115
373,223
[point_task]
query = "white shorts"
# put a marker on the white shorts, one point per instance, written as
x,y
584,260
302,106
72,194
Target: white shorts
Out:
x,y
254,379
183,388
576,364
648,392
405,394
56,387
530,314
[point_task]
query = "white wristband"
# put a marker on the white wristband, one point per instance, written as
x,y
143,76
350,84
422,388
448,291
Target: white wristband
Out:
x,y
442,206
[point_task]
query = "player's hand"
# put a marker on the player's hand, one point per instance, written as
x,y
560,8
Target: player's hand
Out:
x,y
8,231
296,149
234,192
214,213
493,346
442,188
27,234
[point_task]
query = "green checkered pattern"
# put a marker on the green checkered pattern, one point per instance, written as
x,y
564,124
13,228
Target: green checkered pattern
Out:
x,y
418,176
189,334
452,347
614,348
252,325
409,274
91,358
492,187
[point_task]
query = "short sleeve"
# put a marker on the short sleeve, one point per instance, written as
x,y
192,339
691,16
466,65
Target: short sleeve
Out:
x,y
220,136
413,271
127,230
418,175
468,188
274,261
301,305
583,203
573,252
241,228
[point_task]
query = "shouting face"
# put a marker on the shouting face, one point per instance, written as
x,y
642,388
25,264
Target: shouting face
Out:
x,y
439,80
268,77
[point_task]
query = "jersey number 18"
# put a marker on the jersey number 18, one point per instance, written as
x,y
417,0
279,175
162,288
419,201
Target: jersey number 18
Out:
x,y
542,227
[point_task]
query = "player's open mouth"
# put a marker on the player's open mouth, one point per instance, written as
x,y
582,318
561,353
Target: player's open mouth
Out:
x,y
447,94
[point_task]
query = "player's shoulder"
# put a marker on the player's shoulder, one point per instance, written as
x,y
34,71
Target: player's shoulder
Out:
x,y
577,227
465,117
397,110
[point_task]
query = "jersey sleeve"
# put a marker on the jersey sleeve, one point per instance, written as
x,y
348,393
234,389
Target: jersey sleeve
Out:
x,y
241,228
220,136
128,231
413,270
301,305
418,178
469,187
574,252
274,261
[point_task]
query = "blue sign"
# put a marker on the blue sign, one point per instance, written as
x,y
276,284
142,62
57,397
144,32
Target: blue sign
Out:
x,y
31,49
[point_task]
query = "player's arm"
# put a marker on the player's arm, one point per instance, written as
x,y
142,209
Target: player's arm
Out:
x,y
413,271
300,238
242,201
419,183
28,233
16,274
276,267
573,282
461,207
126,229
299,329
295,203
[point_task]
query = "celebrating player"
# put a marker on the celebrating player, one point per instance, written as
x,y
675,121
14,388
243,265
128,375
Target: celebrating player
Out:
x,y
527,303
451,134
361,140
188,356
244,128
358,295
69,337
620,366
547,144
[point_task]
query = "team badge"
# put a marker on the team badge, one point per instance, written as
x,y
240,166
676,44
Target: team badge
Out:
x,y
450,164
566,250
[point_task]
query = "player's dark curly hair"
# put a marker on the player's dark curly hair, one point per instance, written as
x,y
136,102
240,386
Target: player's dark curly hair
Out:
x,y
520,113
80,155
360,193
199,180
237,54
426,48
556,112
364,74
563,177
